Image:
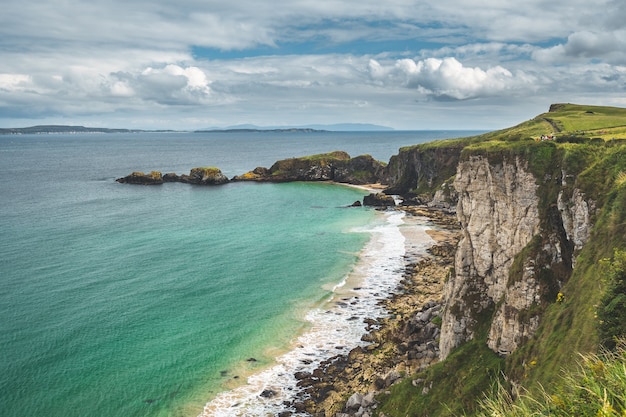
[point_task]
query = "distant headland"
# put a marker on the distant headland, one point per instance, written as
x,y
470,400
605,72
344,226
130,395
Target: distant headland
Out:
x,y
67,129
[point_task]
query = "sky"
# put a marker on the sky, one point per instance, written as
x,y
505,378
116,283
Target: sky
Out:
x,y
405,64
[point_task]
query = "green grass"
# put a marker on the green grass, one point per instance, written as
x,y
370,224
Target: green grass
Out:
x,y
332,156
595,388
574,117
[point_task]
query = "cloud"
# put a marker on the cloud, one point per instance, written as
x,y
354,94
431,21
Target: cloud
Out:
x,y
609,46
14,82
448,79
304,59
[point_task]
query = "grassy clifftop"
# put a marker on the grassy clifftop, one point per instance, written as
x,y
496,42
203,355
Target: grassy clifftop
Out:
x,y
565,120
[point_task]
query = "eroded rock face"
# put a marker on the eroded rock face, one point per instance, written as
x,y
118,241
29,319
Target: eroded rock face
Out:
x,y
576,212
498,212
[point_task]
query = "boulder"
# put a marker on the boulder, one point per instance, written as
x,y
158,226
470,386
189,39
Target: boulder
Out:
x,y
354,402
379,200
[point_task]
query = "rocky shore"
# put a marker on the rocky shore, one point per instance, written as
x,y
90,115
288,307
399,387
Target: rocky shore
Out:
x,y
401,343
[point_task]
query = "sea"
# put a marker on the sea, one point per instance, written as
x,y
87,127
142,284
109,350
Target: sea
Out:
x,y
182,300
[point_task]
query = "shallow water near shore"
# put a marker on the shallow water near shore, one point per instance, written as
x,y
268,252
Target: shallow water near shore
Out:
x,y
149,301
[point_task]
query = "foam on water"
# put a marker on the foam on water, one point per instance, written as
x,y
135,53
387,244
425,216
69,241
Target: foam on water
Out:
x,y
335,328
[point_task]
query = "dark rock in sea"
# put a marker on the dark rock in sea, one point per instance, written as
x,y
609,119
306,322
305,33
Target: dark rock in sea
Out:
x,y
379,200
302,375
268,393
171,177
356,204
152,178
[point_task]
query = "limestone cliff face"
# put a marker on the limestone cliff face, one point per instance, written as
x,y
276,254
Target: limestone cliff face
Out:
x,y
513,256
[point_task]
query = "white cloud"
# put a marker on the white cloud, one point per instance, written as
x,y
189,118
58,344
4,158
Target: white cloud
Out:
x,y
14,82
448,78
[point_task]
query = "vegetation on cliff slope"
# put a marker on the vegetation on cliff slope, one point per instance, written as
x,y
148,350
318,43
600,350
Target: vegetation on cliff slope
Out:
x,y
596,388
571,146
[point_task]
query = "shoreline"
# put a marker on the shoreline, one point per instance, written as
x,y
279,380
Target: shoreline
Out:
x,y
352,327
403,341
333,325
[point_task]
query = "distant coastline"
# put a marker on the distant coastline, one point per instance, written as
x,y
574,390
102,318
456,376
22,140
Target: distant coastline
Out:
x,y
52,129
68,129
245,130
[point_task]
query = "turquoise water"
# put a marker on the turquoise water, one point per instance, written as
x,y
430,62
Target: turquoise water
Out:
x,y
120,300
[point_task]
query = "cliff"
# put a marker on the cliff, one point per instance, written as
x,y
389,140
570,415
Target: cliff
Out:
x,y
516,251
537,217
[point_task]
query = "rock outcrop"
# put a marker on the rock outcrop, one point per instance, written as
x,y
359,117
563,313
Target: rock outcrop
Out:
x,y
421,170
137,177
379,200
335,166
198,176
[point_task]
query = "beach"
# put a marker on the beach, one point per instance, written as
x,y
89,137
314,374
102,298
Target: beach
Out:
x,y
403,340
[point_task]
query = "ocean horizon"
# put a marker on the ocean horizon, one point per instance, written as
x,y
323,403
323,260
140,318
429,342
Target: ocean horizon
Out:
x,y
181,300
